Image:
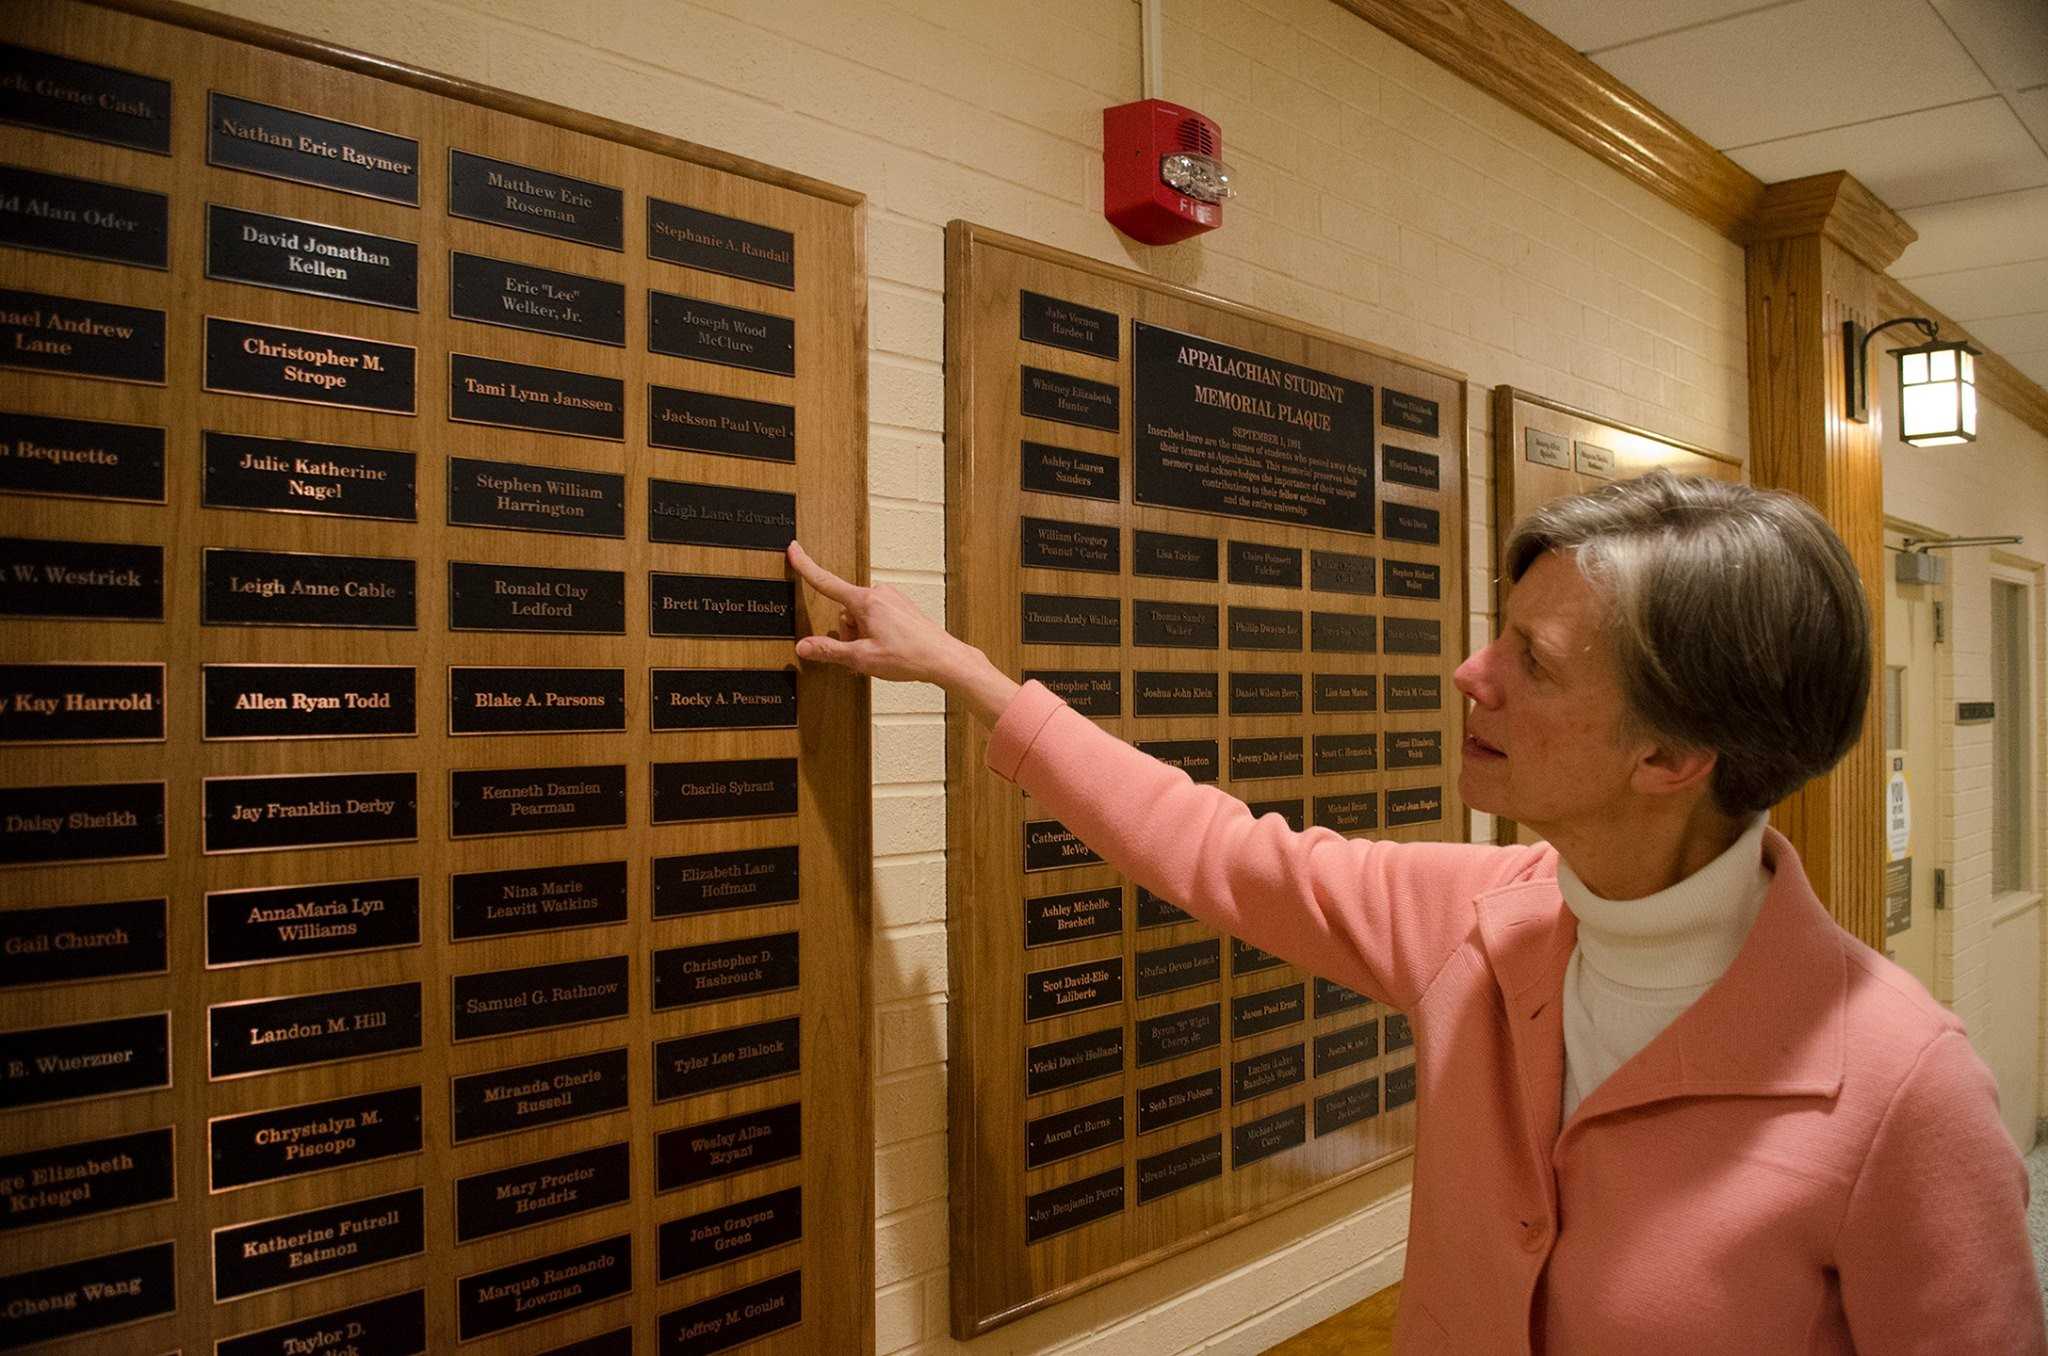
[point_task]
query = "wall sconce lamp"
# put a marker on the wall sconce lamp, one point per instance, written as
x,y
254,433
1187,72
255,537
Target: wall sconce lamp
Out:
x,y
1937,383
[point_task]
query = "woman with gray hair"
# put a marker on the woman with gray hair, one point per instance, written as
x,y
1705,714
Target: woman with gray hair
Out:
x,y
1665,1104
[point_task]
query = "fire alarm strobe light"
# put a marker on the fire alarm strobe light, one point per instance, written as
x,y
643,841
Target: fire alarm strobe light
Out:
x,y
1163,176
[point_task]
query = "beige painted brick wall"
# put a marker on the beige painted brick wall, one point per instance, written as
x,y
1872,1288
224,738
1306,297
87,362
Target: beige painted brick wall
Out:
x,y
1382,198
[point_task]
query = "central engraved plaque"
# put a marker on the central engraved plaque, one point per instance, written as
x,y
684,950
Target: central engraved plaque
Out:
x,y
528,199
310,257
325,809
704,240
688,975
270,1254
80,337
310,366
283,143
80,458
520,1293
281,475
536,997
545,399
292,1141
526,297
306,701
535,498
81,580
485,597
264,1034
62,215
89,703
528,1096
536,800
535,701
685,327
714,605
295,588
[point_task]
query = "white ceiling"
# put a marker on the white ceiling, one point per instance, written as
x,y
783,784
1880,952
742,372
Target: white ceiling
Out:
x,y
1940,106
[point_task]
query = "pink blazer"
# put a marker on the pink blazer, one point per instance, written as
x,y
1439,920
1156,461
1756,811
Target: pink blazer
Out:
x,y
1808,1160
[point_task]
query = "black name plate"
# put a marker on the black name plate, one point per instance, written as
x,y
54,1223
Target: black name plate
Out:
x,y
1265,694
739,788
1400,1086
1165,969
311,258
1276,756
1196,757
81,458
1067,324
1162,1174
1347,1106
317,368
1058,1209
1348,814
1154,912
1342,633
82,99
1079,1130
528,1096
1420,805
694,238
489,1203
1174,625
1333,998
1414,748
1293,811
535,899
1264,628
307,701
710,605
1268,1135
58,214
1268,1010
320,809
1346,753
1347,692
1414,635
726,426
1069,619
81,580
685,976
1073,988
1173,1034
1096,693
1400,1035
1052,919
1401,410
263,1034
728,1233
283,475
101,822
395,1325
1050,845
537,997
249,1259
75,1181
1340,572
1407,522
1168,555
520,498
76,337
734,1318
295,922
1267,566
291,588
64,943
1414,579
525,1292
714,881
1262,1074
1180,1099
528,297
1414,692
544,399
719,515
702,1153
686,327
283,143
1246,959
526,199
1076,1060
1341,1049
689,1066
535,701
81,703
1400,466
1173,693
1069,400
1051,544
89,1295
535,598
291,1141
1078,475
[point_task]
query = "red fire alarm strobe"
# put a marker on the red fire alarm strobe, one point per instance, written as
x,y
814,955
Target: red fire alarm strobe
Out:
x,y
1163,176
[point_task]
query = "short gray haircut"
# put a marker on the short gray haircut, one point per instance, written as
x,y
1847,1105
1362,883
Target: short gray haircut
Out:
x,y
1738,619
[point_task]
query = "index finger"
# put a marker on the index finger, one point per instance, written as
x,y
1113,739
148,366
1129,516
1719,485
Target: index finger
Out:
x,y
822,579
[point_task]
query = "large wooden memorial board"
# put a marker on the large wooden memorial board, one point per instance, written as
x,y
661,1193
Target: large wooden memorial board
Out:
x,y
1238,542
407,784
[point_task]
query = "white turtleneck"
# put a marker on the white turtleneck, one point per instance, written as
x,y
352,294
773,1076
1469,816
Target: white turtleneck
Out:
x,y
1639,963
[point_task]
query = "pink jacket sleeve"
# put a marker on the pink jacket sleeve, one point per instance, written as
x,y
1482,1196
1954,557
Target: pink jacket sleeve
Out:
x,y
1933,1252
1379,917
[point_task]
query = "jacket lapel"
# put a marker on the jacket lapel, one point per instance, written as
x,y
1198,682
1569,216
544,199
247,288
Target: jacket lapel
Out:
x,y
1529,936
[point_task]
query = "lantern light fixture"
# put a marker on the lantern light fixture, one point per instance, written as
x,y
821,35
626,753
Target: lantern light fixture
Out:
x,y
1937,383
